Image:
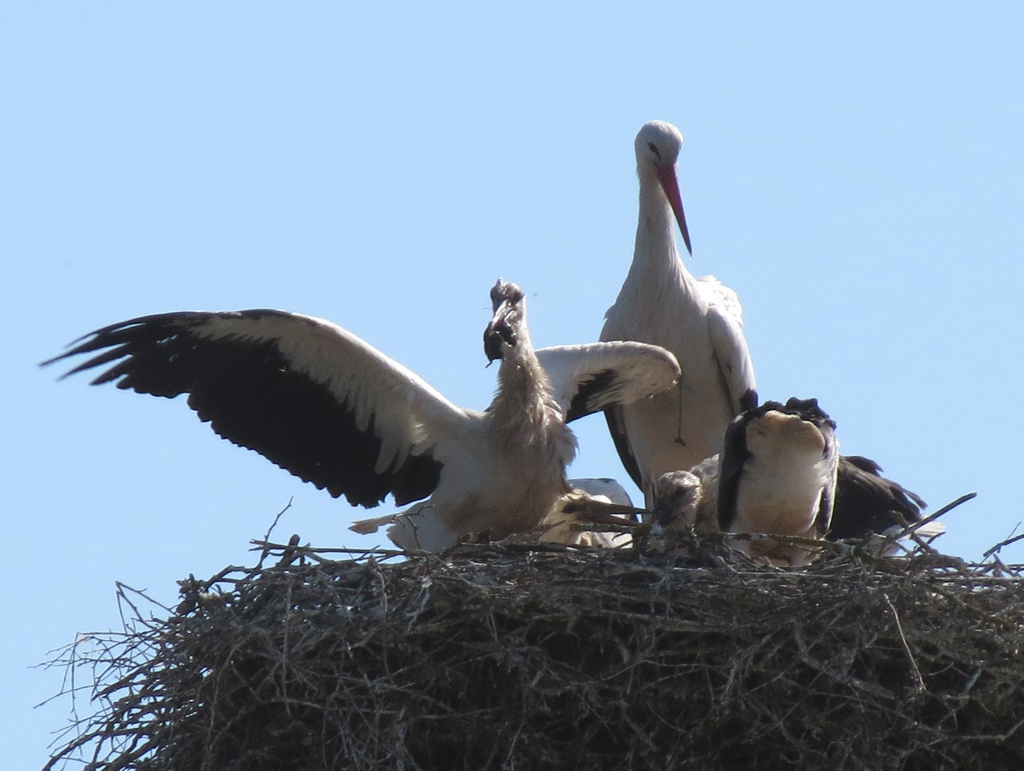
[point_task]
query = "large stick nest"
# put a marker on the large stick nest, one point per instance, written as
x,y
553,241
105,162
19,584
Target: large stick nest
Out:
x,y
561,658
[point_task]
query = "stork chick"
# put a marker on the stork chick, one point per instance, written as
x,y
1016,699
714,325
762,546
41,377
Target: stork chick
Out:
x,y
328,407
778,476
687,499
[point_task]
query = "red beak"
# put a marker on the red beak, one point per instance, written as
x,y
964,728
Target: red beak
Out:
x,y
667,178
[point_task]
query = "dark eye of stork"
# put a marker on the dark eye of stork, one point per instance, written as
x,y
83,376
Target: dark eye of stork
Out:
x,y
654,149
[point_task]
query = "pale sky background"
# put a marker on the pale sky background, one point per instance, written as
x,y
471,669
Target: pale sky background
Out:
x,y
853,170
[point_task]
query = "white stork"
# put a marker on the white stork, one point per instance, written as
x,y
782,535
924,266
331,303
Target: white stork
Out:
x,y
778,476
775,465
698,320
687,499
326,406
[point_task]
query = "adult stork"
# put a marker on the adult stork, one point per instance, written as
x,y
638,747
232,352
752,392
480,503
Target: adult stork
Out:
x,y
336,412
698,320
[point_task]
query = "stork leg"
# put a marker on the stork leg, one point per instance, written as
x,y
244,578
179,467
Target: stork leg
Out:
x,y
679,416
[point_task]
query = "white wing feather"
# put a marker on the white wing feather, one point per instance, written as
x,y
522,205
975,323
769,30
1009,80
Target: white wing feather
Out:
x,y
600,375
725,329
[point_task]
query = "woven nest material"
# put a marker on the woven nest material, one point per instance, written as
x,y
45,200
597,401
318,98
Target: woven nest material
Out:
x,y
533,657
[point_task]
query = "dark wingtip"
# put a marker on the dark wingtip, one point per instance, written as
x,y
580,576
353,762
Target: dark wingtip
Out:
x,y
61,357
73,348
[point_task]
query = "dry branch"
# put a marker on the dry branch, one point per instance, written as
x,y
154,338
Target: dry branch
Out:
x,y
553,657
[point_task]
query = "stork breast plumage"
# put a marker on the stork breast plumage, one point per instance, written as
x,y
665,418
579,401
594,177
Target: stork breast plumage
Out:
x,y
698,320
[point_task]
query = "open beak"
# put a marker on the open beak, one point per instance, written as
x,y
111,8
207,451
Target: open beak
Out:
x,y
667,178
499,332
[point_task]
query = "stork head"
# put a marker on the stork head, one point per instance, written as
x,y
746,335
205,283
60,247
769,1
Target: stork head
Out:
x,y
676,495
784,460
800,425
506,327
657,147
809,410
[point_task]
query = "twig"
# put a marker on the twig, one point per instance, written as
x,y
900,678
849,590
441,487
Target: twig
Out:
x,y
906,645
998,547
914,526
266,536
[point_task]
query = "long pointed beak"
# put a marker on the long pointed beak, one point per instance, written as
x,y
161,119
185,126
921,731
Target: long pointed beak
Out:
x,y
498,332
667,178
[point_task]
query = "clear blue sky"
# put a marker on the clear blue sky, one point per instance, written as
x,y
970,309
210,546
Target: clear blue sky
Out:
x,y
854,171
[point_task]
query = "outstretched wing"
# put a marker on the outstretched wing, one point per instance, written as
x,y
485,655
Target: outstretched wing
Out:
x,y
305,393
592,377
